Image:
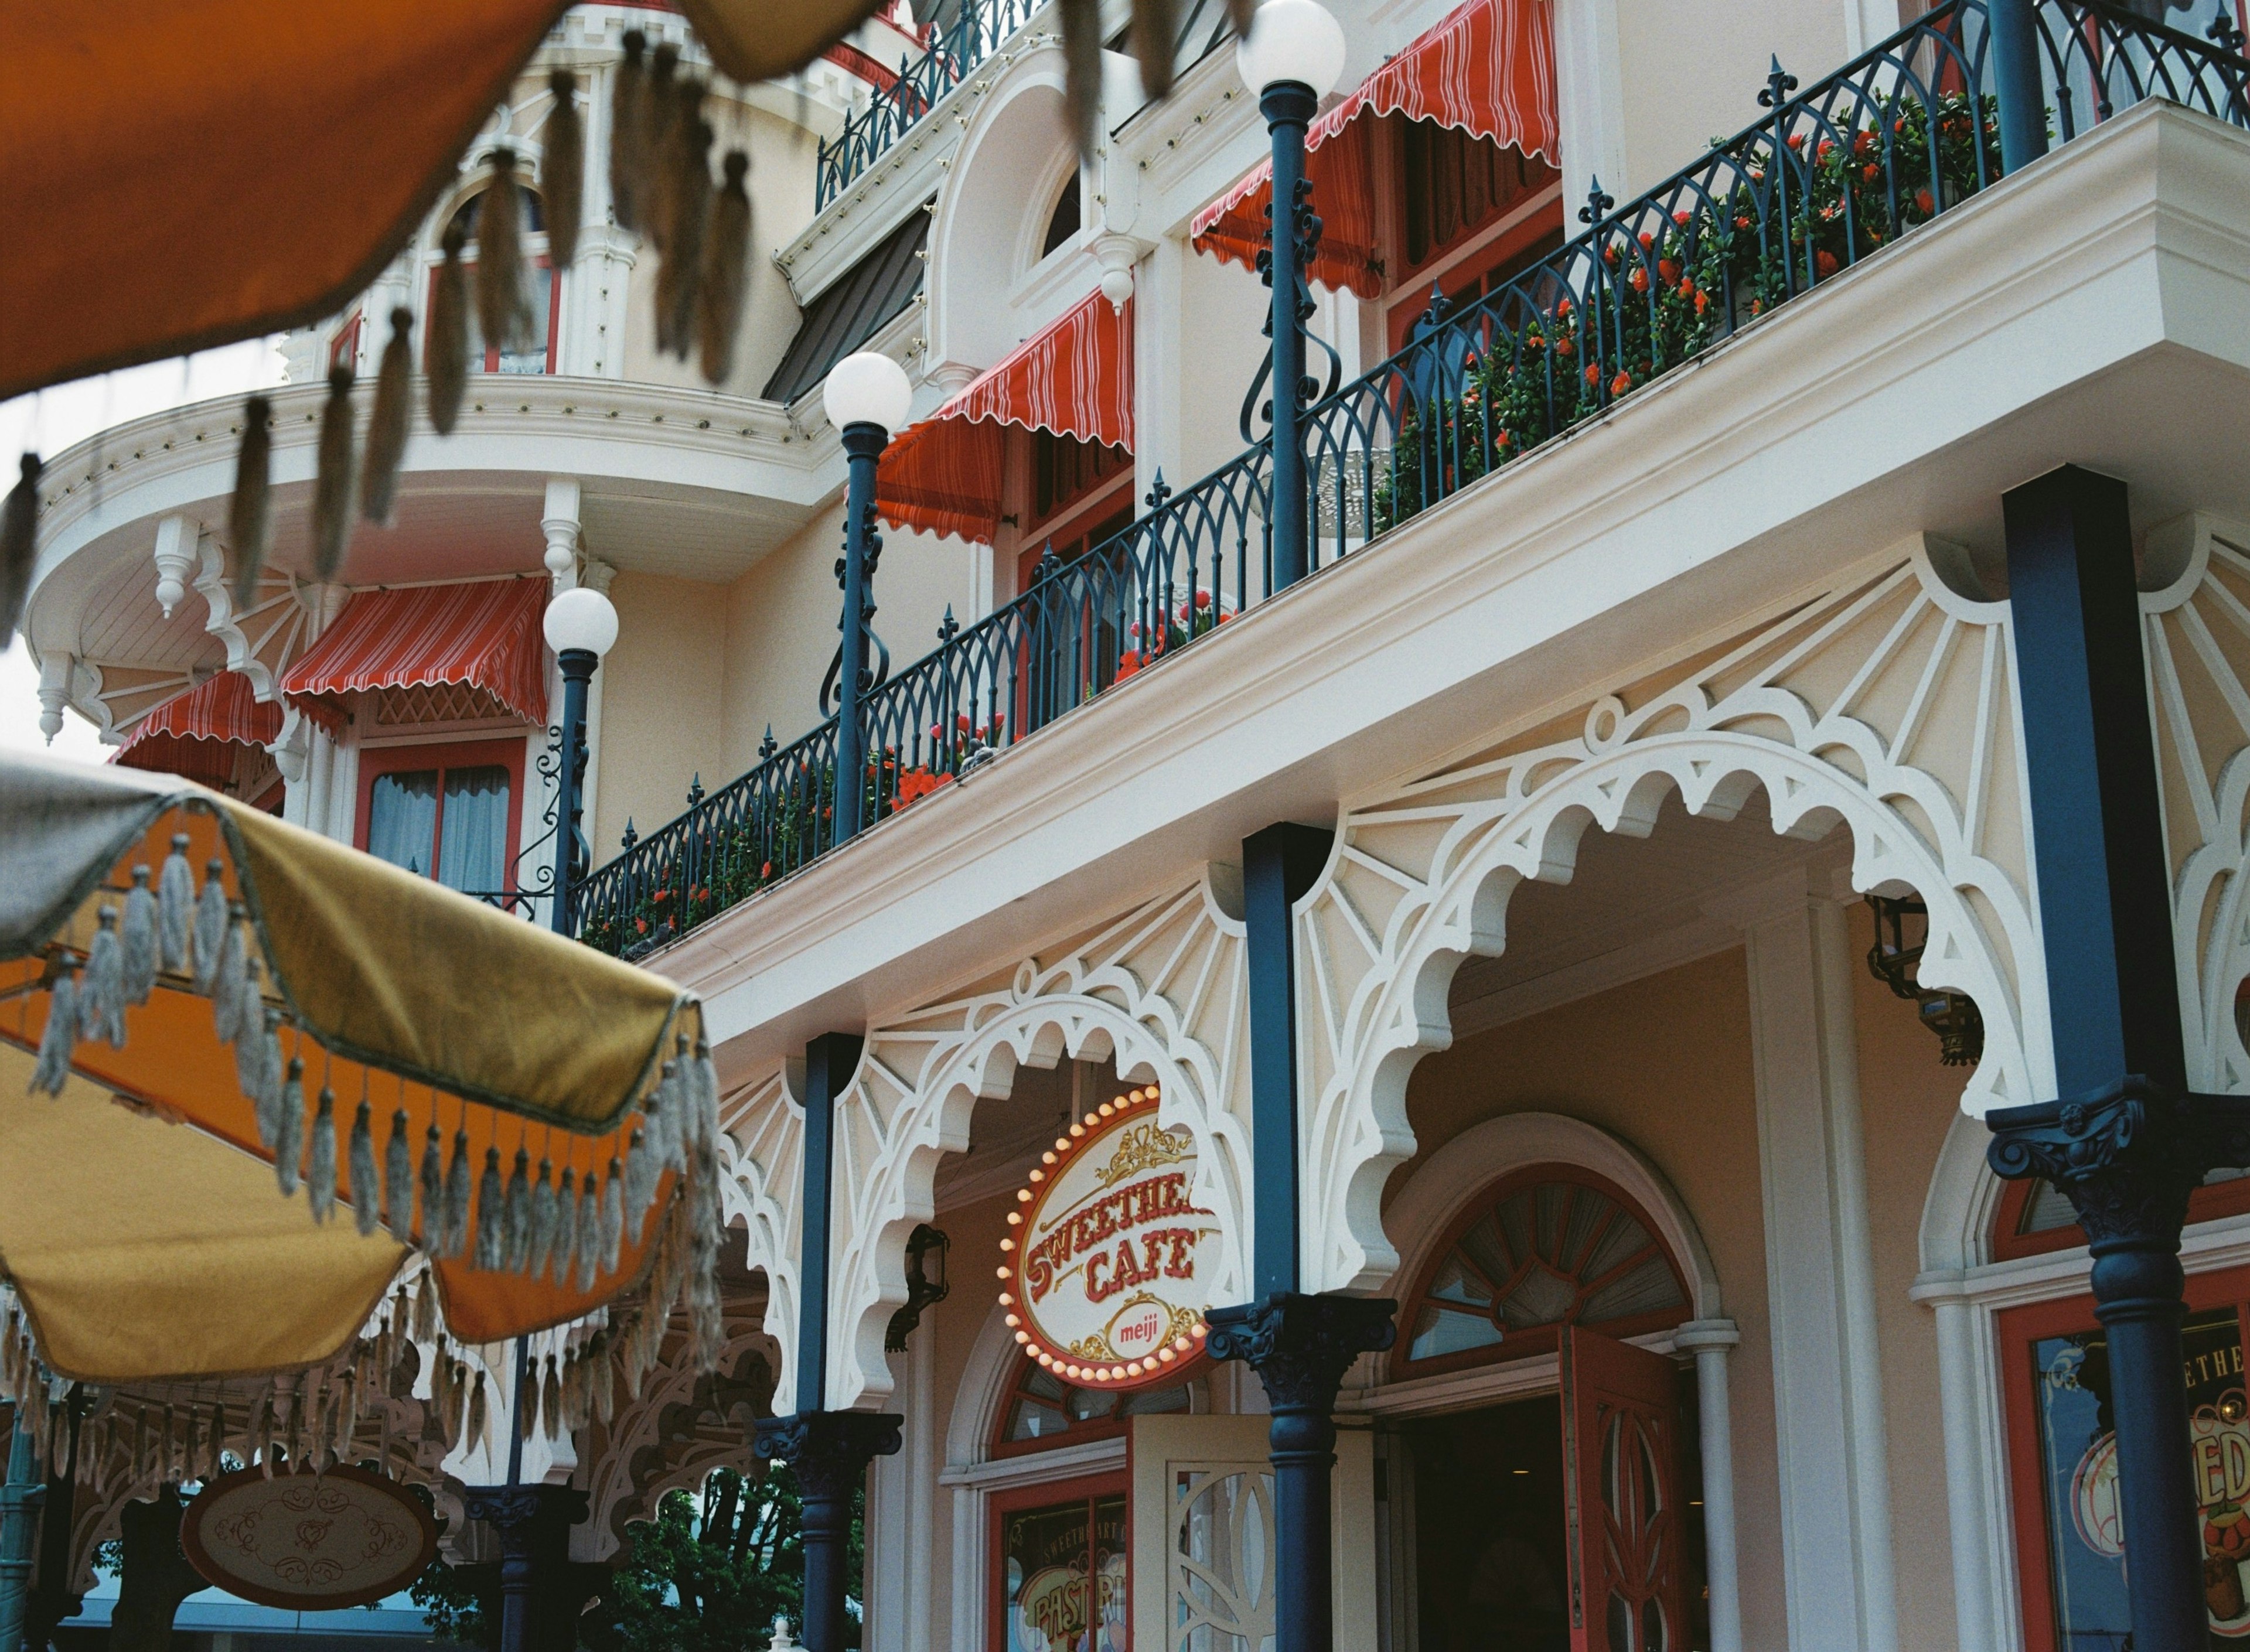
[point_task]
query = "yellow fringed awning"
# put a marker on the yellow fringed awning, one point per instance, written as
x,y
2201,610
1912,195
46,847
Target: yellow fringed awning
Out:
x,y
393,990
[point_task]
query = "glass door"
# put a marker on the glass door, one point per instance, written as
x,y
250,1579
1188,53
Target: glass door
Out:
x,y
1622,1510
1061,1574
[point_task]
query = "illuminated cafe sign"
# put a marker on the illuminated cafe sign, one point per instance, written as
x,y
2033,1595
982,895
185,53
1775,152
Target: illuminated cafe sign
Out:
x,y
1108,1253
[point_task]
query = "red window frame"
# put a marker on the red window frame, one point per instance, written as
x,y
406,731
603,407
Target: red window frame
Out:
x,y
343,349
1074,1432
1537,1339
1479,257
2017,1329
377,761
1089,1489
491,362
2009,1241
1077,522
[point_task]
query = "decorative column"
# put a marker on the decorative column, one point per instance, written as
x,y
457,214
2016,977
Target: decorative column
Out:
x,y
538,1608
176,541
1299,1345
20,1498
2126,1141
580,626
54,692
2017,83
866,397
1711,1341
828,1451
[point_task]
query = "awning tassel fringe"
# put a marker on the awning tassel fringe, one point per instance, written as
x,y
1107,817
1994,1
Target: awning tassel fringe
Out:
x,y
454,1237
516,1249
19,545
289,1115
59,1040
628,131
613,1216
387,422
492,1227
725,275
210,923
564,174
398,1180
588,1247
433,1201
543,1216
366,1189
175,907
250,512
101,993
447,349
138,937
332,482
321,1166
503,312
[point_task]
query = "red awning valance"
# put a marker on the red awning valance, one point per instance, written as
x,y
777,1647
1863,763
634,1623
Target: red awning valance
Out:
x,y
1075,378
1488,69
190,735
481,639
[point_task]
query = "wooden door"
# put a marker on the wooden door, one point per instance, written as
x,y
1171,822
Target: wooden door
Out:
x,y
1622,1498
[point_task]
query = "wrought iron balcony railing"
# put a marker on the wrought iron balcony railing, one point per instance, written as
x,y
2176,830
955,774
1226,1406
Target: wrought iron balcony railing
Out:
x,y
1833,174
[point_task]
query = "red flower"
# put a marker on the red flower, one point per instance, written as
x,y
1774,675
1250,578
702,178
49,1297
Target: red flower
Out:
x,y
1594,374
1681,218
1921,201
641,925
1742,221
961,723
1702,300
999,722
1621,384
1863,142
766,870
1203,599
1796,139
1667,272
1825,265
1128,663
1825,145
1564,347
1646,240
1638,280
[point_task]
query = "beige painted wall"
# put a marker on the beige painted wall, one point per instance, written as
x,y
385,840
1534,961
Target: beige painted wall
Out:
x,y
1907,1103
1222,307
1665,1064
660,703
1692,70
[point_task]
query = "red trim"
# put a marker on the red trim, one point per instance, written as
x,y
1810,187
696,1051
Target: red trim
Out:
x,y
483,633
1538,1340
491,362
851,60
2017,1329
2205,1204
1052,1495
1187,1370
377,761
194,735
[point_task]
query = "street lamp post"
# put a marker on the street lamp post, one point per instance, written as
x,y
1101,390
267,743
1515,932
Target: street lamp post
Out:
x,y
1291,59
867,396
580,625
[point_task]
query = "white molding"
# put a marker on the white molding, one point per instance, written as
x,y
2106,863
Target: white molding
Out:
x,y
1039,1468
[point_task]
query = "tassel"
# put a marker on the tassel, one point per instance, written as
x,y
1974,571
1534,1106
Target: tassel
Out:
x,y
441,1377
565,172
289,1140
613,1216
250,515
266,1435
347,1417
433,1198
217,1444
102,990
684,177
399,1182
666,1137
139,938
167,1443
566,1226
703,1073
446,350
605,1381
640,1185
457,1386
190,1445
726,272
590,1231
175,907
515,1250
1155,26
229,986
19,545
503,312
210,923
59,1041
492,1227
660,105
454,1228
321,1172
551,1400
260,1072
628,132
366,1195
332,484
1081,48
426,1310
476,1412
542,1220
386,424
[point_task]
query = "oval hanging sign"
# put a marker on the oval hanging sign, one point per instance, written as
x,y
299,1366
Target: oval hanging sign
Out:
x,y
308,1542
1107,1250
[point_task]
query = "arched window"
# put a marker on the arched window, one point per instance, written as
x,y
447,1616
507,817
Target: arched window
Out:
x,y
1544,1247
1062,222
542,285
1043,1411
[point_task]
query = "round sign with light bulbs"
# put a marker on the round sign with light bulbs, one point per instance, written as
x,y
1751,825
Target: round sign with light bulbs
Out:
x,y
1104,1266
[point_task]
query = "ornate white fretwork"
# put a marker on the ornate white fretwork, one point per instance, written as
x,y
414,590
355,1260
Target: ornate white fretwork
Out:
x,y
1884,703
761,1173
264,636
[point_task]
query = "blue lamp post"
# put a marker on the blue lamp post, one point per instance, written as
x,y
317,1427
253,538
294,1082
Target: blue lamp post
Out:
x,y
1292,59
580,626
867,398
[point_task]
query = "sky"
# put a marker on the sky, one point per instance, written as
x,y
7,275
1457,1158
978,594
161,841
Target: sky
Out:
x,y
49,421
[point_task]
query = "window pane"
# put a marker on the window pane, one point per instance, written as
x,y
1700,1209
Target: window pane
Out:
x,y
2085,1538
402,819
1110,1540
473,850
539,286
1644,1288
1046,1552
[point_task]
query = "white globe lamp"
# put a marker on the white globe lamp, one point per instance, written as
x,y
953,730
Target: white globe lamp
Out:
x,y
867,388
1292,41
581,618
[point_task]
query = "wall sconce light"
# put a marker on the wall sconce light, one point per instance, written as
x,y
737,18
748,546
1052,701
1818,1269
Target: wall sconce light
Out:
x,y
1893,959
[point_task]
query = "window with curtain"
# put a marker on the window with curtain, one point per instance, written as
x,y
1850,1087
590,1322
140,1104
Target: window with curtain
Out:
x,y
449,822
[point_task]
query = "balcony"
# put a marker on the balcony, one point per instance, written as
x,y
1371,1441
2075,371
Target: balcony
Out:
x,y
1834,175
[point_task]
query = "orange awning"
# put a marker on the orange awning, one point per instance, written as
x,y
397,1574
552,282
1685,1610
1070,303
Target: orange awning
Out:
x,y
181,174
1075,378
1488,69
483,636
192,734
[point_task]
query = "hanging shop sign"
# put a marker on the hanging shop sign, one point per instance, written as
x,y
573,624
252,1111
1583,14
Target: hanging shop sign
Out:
x,y
1107,1255
308,1542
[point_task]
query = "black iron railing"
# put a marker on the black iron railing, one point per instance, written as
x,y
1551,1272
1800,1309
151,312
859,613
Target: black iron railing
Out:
x,y
1834,173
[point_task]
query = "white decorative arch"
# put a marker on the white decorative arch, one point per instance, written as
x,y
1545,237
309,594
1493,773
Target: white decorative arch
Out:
x,y
1883,702
1160,989
987,1380
761,1151
1437,1193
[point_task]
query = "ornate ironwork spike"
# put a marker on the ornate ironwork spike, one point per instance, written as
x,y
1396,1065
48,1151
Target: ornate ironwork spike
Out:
x,y
1434,317
1049,566
949,627
630,837
766,746
2227,34
695,790
1157,494
1780,83
1598,202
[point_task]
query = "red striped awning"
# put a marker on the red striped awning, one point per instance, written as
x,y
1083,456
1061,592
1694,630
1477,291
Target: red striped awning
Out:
x,y
482,638
193,734
1488,69
1075,378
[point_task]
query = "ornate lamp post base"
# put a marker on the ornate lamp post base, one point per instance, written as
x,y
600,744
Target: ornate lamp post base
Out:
x,y
537,1606
1300,1347
2127,1157
829,1451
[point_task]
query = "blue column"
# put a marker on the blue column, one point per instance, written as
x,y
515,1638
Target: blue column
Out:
x,y
19,1508
863,446
1287,107
577,667
2013,51
2125,1141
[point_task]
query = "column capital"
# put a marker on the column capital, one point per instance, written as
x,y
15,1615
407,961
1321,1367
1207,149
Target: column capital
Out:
x,y
1699,1335
533,1510
829,1450
2127,1156
1301,1346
